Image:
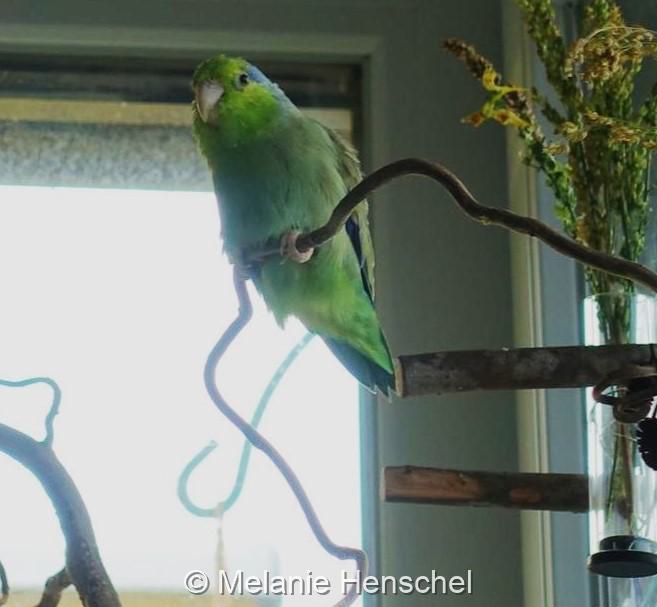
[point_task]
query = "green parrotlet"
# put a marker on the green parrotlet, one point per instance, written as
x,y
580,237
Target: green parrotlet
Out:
x,y
278,173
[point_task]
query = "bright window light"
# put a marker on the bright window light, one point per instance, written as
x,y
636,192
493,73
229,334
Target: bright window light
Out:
x,y
119,295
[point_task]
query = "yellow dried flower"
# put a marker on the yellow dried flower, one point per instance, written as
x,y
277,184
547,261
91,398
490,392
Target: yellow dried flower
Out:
x,y
572,132
598,119
604,53
624,134
508,118
491,81
601,186
557,149
475,119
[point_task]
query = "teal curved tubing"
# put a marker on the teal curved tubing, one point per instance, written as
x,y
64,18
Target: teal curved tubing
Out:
x,y
233,496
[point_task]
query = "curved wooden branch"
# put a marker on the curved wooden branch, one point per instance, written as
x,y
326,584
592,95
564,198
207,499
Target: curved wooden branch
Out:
x,y
4,585
52,592
83,562
55,586
261,443
475,210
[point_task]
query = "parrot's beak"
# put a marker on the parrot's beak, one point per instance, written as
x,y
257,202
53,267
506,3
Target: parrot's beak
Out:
x,y
208,94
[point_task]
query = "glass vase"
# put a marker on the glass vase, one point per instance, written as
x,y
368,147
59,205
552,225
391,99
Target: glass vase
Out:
x,y
622,489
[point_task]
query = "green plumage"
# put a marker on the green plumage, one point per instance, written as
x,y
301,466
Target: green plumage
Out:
x,y
275,170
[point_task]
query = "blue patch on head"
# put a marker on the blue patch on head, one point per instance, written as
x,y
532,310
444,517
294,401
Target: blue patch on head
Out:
x,y
256,75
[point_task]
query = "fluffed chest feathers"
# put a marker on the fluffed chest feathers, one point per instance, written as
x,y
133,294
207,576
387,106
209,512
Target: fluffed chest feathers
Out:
x,y
285,179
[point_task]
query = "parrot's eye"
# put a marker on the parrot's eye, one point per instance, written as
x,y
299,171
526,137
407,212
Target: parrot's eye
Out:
x,y
242,80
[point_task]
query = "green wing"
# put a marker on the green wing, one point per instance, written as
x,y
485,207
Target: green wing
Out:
x,y
349,169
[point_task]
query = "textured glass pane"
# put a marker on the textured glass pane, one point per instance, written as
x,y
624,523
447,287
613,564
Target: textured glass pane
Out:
x,y
97,155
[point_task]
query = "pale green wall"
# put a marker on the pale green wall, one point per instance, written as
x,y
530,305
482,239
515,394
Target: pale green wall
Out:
x,y
443,281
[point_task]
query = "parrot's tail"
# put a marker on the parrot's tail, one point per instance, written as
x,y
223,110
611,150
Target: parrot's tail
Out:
x,y
365,370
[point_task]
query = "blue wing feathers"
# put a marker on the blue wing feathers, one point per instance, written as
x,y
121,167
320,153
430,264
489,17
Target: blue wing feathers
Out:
x,y
354,236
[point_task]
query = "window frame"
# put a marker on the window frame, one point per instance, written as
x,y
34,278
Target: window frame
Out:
x,y
363,52
551,423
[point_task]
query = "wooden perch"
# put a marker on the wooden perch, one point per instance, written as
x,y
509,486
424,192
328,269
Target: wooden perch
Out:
x,y
485,215
527,491
515,369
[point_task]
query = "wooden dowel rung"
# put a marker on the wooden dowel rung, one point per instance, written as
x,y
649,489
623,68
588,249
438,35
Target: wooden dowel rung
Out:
x,y
523,490
515,369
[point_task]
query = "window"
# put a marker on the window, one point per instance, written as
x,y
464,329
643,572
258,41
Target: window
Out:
x,y
117,288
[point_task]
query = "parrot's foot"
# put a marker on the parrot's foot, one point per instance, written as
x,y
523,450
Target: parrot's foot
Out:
x,y
289,248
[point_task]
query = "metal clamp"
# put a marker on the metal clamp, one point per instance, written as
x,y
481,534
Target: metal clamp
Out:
x,y
630,391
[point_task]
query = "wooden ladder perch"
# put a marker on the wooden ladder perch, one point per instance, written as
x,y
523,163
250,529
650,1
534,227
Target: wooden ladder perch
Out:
x,y
507,369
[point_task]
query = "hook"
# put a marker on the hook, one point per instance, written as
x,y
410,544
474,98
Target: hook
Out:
x,y
233,496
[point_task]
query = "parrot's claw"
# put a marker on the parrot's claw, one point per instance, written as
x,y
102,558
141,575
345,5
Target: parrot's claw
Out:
x,y
289,248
